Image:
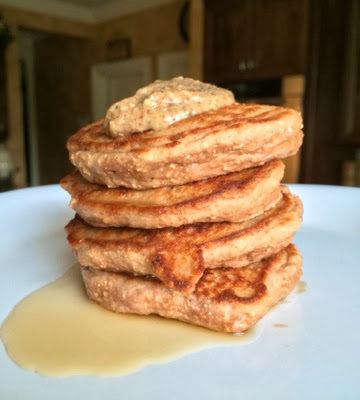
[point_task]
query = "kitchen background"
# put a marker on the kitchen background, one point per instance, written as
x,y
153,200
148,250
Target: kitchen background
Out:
x,y
63,62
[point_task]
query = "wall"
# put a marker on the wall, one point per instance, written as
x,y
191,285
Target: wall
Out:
x,y
17,20
41,22
151,31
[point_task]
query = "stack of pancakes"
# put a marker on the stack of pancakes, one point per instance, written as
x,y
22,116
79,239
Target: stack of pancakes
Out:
x,y
189,222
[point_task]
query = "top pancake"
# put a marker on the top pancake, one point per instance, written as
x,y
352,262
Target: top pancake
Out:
x,y
205,145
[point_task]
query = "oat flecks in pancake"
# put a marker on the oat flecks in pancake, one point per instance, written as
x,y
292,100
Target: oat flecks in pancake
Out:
x,y
178,256
209,144
225,299
233,197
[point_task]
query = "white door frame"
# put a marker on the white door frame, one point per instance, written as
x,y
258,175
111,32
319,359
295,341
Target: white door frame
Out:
x,y
103,74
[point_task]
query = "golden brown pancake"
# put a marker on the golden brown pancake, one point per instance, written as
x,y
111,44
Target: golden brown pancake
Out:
x,y
232,197
212,143
225,299
178,256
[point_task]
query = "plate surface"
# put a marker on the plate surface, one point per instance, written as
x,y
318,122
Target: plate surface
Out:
x,y
315,357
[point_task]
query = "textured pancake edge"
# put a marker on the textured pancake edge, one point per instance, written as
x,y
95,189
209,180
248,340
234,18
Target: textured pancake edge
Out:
x,y
229,199
170,253
127,294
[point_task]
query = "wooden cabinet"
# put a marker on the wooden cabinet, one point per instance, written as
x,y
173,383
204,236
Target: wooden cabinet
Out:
x,y
246,39
331,149
279,36
226,42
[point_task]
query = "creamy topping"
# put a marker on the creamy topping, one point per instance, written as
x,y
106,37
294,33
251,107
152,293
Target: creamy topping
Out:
x,y
163,103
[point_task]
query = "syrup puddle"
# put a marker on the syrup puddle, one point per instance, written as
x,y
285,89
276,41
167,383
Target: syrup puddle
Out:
x,y
301,287
57,331
280,325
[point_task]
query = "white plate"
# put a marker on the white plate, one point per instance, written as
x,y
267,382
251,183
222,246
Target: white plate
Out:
x,y
316,357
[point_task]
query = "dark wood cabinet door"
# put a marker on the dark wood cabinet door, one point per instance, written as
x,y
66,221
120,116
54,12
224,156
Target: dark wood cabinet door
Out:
x,y
331,106
248,39
279,37
227,43
349,131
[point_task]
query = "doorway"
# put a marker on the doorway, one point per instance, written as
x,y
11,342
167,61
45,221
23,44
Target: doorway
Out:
x,y
56,99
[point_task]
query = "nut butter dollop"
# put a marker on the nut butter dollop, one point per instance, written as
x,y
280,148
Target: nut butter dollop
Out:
x,y
162,103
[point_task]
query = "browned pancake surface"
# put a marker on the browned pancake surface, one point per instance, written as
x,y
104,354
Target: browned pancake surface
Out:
x,y
178,256
205,145
232,197
225,299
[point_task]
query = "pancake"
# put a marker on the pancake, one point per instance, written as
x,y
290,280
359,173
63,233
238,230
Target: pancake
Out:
x,y
205,145
179,256
232,197
225,299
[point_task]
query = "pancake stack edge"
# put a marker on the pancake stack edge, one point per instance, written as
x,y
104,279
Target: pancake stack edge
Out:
x,y
203,230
